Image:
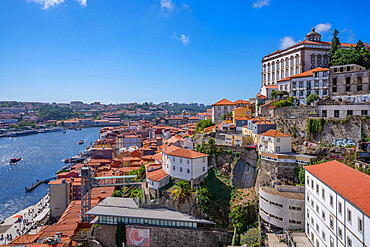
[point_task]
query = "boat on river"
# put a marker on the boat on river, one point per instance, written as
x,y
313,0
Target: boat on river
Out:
x,y
14,160
81,142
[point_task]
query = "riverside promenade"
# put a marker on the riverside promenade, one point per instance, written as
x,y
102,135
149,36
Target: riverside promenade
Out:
x,y
26,221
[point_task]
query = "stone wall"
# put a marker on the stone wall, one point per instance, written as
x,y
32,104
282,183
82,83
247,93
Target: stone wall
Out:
x,y
295,111
163,237
271,173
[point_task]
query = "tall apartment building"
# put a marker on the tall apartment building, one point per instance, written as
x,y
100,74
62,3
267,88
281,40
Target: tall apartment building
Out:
x,y
350,83
308,54
337,205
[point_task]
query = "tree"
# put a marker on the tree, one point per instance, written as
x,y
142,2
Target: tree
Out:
x,y
136,193
181,190
273,94
312,98
359,45
239,219
211,141
301,175
203,195
120,234
335,44
117,193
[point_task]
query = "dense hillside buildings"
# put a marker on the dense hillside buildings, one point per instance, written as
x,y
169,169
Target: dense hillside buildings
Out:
x,y
306,55
337,205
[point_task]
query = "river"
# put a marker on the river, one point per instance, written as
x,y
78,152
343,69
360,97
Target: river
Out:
x,y
42,156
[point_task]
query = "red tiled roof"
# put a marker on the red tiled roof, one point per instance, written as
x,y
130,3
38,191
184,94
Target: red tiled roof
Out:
x,y
241,102
346,181
271,86
243,118
156,175
310,72
181,152
224,102
274,133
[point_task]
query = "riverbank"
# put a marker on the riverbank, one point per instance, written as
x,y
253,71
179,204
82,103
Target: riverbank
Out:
x,y
29,219
42,156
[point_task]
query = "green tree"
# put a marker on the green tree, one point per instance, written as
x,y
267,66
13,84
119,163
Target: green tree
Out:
x,y
181,190
211,141
301,175
312,98
136,193
335,44
273,94
359,45
117,193
204,196
201,125
120,234
239,219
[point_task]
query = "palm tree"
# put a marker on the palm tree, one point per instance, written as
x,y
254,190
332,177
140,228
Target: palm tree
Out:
x,y
181,190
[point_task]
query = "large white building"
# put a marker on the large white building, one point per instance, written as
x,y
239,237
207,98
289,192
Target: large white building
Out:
x,y
308,54
184,164
337,205
274,141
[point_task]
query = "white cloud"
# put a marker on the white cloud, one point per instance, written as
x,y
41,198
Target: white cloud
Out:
x,y
167,5
348,35
185,6
323,27
83,3
185,40
287,41
47,3
260,3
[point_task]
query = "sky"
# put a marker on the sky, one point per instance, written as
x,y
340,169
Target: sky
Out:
x,y
117,51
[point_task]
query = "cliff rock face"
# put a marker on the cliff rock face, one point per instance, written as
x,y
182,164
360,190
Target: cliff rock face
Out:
x,y
332,129
241,169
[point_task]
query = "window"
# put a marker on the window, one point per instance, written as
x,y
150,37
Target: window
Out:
x,y
349,216
349,242
277,149
301,84
204,168
313,59
180,160
316,83
331,241
316,74
334,81
340,208
308,181
173,158
188,161
324,113
323,235
308,86
312,185
364,112
340,233
334,89
325,92
336,113
359,88
331,222
359,79
323,215
360,225
331,200
180,169
293,85
317,188
317,208
188,170
325,73
348,88
349,112
204,159
278,139
348,80
324,83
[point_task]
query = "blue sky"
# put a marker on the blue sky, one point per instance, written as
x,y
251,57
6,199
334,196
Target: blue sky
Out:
x,y
155,50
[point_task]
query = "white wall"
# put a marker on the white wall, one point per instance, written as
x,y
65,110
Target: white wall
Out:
x,y
184,168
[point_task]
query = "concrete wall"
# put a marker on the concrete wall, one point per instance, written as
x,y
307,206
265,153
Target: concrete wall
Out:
x,y
295,111
267,209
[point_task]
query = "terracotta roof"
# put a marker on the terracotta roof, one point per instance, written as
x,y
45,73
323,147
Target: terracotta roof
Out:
x,y
274,133
285,79
243,118
261,97
158,156
346,181
156,175
309,72
241,102
181,152
224,102
263,122
271,86
241,107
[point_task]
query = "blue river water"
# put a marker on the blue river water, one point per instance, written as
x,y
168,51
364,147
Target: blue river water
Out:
x,y
42,156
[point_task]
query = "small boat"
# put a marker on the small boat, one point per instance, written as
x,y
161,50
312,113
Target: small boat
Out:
x,y
66,160
64,132
78,129
14,160
81,142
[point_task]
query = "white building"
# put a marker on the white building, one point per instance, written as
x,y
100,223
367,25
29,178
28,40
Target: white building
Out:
x,y
302,85
184,164
308,54
274,141
222,108
337,205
